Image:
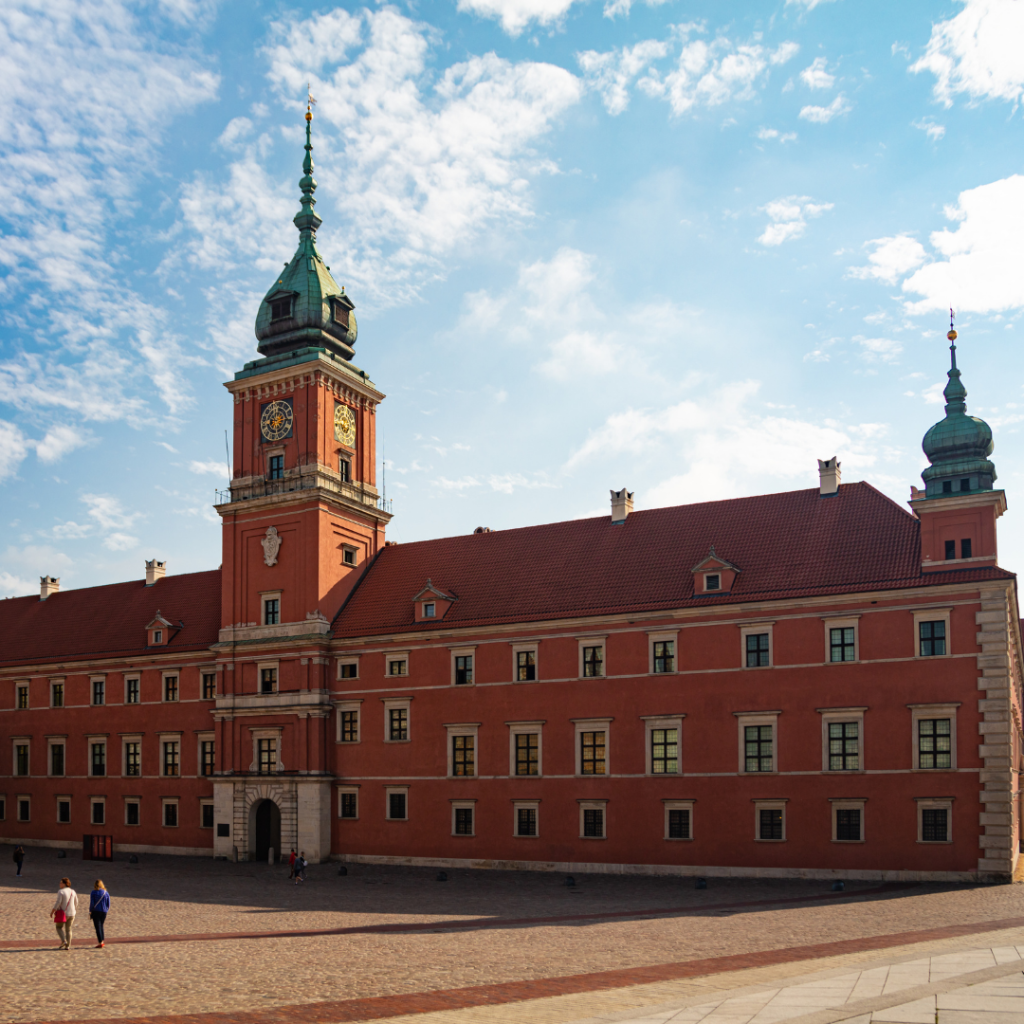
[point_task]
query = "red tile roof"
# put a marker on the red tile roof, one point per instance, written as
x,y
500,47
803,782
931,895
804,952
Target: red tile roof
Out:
x,y
110,621
786,545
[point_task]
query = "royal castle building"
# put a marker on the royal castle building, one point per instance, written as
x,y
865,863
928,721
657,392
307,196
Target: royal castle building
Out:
x,y
819,682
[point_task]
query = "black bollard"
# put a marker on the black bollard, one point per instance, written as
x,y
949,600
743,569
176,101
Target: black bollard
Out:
x,y
61,854
700,883
838,886
342,870
570,881
133,859
442,876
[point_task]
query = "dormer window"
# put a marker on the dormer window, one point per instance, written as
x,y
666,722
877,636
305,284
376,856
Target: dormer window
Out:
x,y
281,309
158,636
429,609
159,631
431,603
339,312
714,575
713,581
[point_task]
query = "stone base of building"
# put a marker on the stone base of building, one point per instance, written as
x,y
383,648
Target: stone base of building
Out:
x,y
73,844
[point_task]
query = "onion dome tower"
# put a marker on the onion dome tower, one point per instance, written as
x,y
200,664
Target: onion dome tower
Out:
x,y
959,445
305,308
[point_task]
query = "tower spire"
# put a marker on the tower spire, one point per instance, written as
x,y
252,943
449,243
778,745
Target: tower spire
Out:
x,y
955,393
307,220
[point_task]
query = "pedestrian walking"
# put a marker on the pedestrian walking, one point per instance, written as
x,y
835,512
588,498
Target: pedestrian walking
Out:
x,y
291,864
19,858
63,912
300,868
99,905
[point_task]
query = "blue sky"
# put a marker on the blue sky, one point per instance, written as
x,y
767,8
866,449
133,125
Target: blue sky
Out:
x,y
685,247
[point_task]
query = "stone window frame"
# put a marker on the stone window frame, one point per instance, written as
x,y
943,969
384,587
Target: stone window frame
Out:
x,y
756,628
205,736
350,790
534,727
137,801
601,641
62,798
98,679
454,729
207,802
388,790
271,595
393,657
267,732
397,704
463,652
851,714
848,804
22,685
594,805
525,805
3,806
22,798
936,803
94,740
745,718
126,738
164,676
677,805
60,681
162,739
919,711
526,648
130,677
348,659
271,665
660,636
94,802
170,801
349,555
204,672
652,722
841,622
341,706
583,725
21,741
768,804
931,615
51,742
463,805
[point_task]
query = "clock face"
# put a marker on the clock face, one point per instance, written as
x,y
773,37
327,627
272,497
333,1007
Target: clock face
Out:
x,y
276,421
344,425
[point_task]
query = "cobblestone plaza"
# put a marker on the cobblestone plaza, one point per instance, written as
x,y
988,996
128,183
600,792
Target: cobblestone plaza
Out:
x,y
215,942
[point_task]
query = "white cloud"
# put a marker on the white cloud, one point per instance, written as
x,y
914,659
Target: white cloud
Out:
x,y
766,134
977,52
893,257
788,218
816,76
822,115
71,530
211,466
238,128
613,8
879,349
108,512
120,542
15,586
13,448
58,442
928,125
515,15
612,73
808,4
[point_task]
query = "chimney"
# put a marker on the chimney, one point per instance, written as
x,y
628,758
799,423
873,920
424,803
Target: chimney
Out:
x,y
622,505
48,585
155,571
828,475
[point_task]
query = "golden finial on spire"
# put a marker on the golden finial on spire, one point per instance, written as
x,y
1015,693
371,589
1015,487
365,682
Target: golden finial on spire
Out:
x,y
952,333
310,102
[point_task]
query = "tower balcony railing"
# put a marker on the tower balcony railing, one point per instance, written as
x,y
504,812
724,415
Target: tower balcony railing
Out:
x,y
306,478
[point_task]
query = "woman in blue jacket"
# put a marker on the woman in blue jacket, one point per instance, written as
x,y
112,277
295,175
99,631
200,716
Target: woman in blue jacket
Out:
x,y
99,904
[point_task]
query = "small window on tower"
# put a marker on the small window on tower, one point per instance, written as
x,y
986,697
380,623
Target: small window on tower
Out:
x,y
345,470
348,556
950,550
965,485
965,547
947,486
341,314
281,309
275,467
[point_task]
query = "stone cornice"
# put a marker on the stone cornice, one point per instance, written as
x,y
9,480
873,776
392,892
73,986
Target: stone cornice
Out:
x,y
322,373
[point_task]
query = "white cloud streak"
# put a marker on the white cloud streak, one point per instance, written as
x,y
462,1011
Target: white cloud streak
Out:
x,y
788,218
516,15
893,257
816,75
822,115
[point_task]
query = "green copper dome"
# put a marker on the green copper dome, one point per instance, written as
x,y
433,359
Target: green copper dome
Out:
x,y
305,308
958,446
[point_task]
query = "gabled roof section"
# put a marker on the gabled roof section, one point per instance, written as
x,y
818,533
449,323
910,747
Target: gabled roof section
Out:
x,y
789,545
431,589
110,621
713,561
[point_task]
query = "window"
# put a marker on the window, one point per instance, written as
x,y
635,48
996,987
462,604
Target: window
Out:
x,y
664,751
24,809
57,759
348,555
842,643
133,757
965,484
757,650
965,547
398,809
712,581
664,656
3,809
131,691
99,813
223,830
769,823
463,669
592,753
172,757
345,470
348,670
593,661
271,611
758,753
98,759
398,667
428,609
592,820
131,812
266,756
170,688
268,680
349,726
398,724
678,823
206,815
209,685
170,814
63,812
934,825
462,820
275,467
21,759
950,546
22,697
526,820
463,754
934,743
843,746
56,695
527,753
932,638
348,804
206,757
526,666
947,486
158,636
848,824
99,688
280,309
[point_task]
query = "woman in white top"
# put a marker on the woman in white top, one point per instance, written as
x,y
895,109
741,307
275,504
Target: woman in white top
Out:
x,y
63,912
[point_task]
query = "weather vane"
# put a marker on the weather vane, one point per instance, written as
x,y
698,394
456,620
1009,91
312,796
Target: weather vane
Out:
x,y
952,332
310,102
